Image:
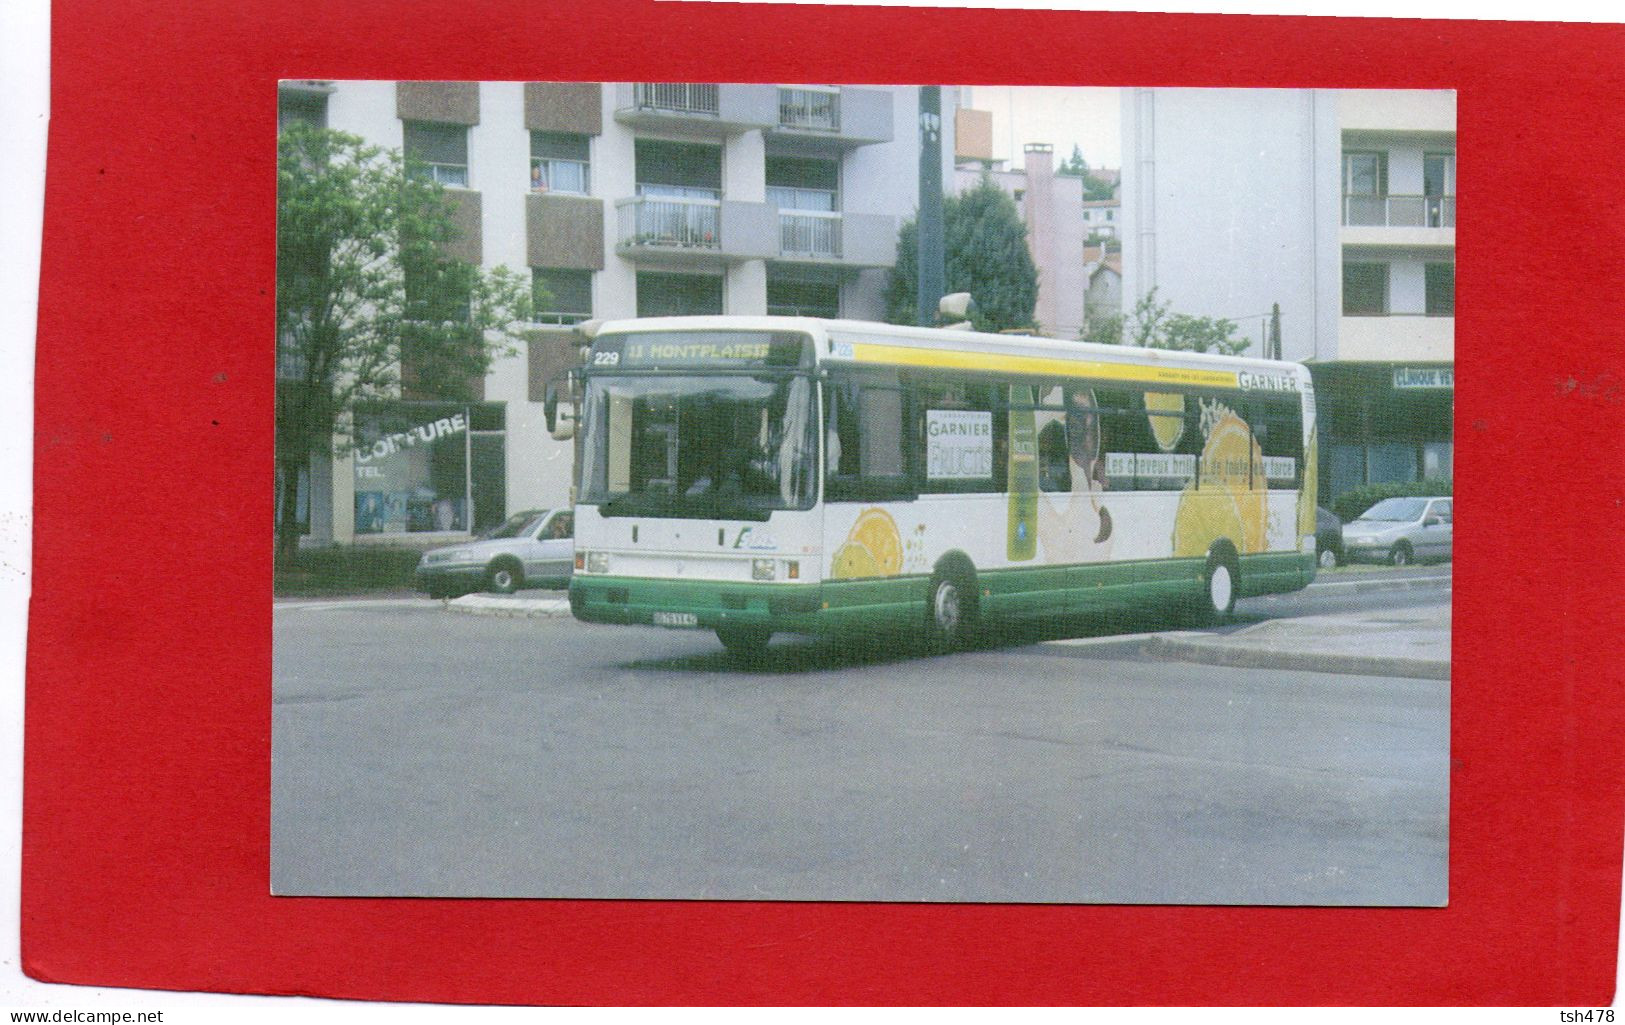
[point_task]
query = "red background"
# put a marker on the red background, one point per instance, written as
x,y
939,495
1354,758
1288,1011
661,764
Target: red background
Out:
x,y
146,819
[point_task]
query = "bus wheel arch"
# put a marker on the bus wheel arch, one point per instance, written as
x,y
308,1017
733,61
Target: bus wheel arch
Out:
x,y
1220,580
952,609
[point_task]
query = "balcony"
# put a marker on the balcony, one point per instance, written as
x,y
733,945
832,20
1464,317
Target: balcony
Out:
x,y
1412,222
846,240
1399,211
694,232
811,118
702,109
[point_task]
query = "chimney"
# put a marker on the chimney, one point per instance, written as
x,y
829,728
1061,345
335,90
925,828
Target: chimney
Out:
x,y
1039,207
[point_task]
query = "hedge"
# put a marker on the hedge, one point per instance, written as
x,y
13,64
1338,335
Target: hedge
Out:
x,y
344,569
1351,504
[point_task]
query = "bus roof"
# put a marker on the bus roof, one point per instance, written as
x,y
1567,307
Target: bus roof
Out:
x,y
855,342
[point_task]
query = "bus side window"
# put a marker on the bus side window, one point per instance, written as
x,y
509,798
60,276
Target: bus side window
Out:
x,y
864,441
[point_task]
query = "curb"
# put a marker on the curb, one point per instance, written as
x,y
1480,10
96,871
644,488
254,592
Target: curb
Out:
x,y
1210,653
1383,584
510,608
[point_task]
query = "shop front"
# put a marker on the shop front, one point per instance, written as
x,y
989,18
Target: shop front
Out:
x,y
428,468
1383,423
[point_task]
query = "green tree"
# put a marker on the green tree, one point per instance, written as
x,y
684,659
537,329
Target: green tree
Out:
x,y
985,250
1104,331
1075,164
364,283
1154,325
1094,187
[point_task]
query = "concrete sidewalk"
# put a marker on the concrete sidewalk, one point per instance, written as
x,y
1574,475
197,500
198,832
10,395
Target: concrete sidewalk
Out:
x,y
1412,642
525,605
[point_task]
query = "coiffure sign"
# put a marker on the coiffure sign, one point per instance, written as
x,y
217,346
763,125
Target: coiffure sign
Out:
x,y
422,434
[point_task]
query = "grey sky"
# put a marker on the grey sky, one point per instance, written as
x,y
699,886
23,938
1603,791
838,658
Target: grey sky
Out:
x,y
1062,116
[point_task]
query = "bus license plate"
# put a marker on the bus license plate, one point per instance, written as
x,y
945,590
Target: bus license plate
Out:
x,y
676,619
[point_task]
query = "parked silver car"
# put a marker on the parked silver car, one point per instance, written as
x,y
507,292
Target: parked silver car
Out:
x,y
1400,531
531,549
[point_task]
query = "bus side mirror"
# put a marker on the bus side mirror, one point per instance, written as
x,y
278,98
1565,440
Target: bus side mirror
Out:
x,y
560,414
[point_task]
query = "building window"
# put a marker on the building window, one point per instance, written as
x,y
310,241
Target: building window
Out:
x,y
1365,188
436,292
1441,289
437,152
1365,289
679,187
792,298
679,295
559,163
561,296
429,467
806,191
1439,189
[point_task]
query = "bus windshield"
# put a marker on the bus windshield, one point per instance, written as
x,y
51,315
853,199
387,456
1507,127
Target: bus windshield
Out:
x,y
724,446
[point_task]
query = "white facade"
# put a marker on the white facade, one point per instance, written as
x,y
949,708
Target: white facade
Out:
x,y
875,149
1338,205
1230,205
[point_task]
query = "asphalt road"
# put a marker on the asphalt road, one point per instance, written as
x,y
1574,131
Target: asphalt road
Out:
x,y
421,752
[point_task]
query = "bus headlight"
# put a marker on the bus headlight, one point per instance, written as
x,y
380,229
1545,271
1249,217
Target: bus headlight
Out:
x,y
762,569
597,562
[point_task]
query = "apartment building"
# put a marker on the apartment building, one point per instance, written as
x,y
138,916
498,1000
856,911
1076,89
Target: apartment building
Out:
x,y
1339,205
620,200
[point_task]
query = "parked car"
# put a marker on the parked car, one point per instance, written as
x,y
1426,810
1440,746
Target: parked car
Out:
x,y
531,549
1400,531
1328,538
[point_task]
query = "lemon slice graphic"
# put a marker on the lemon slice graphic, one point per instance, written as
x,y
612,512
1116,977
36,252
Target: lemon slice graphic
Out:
x,y
1166,429
1203,518
877,532
853,561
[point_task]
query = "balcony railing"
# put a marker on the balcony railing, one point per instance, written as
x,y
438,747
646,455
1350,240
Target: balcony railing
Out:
x,y
810,233
685,223
1399,211
680,97
817,110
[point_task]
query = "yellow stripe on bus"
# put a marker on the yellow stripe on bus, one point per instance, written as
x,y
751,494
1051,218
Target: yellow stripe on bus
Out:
x,y
1043,366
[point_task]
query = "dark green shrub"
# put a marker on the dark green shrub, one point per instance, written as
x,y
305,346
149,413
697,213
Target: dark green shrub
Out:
x,y
344,569
1351,504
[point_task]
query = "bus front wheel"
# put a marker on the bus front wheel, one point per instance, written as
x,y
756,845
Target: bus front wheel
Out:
x,y
951,610
744,642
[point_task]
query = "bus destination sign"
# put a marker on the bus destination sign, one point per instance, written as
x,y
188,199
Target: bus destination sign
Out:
x,y
708,349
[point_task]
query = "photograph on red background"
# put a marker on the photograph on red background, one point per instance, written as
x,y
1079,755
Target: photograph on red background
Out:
x,y
1059,617
167,734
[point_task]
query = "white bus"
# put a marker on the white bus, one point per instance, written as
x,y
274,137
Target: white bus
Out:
x,y
760,474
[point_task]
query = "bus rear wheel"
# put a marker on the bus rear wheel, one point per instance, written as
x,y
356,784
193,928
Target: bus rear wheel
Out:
x,y
744,642
951,610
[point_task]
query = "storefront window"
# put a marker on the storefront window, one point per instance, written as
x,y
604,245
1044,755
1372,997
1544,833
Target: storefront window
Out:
x,y
413,463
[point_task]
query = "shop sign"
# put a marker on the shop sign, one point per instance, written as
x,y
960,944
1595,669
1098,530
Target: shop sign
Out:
x,y
1424,377
390,444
